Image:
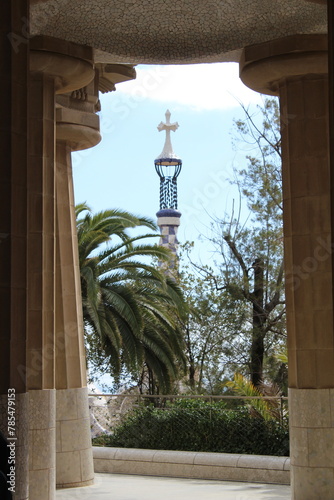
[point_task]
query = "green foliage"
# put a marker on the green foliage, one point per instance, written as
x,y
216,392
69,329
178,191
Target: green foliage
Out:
x,y
130,307
248,270
243,387
282,355
267,408
189,425
214,352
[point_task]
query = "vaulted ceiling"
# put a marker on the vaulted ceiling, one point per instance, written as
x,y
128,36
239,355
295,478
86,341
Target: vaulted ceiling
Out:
x,y
174,31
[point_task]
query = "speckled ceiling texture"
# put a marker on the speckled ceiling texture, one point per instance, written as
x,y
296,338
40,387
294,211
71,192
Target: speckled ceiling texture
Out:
x,y
174,31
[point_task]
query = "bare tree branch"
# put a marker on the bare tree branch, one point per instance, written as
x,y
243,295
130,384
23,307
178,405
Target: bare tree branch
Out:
x,y
241,262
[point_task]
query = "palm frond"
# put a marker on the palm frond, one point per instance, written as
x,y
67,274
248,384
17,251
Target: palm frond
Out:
x,y
243,387
129,305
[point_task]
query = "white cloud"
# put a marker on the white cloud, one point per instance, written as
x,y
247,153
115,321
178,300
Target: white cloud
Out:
x,y
199,86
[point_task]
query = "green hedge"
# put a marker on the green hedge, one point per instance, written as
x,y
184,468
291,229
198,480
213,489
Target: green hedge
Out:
x,y
199,426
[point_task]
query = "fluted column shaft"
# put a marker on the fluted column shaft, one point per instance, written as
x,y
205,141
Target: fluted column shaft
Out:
x,y
41,284
74,449
70,353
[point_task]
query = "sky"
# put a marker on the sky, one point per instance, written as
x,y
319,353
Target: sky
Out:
x,y
119,172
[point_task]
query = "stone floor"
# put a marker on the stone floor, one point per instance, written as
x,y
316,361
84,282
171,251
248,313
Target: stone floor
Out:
x,y
126,487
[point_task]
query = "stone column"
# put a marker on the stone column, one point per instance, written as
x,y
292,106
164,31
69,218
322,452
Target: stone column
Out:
x,y
75,130
13,233
295,68
55,67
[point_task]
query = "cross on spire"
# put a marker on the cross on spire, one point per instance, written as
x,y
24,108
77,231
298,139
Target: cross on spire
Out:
x,y
167,151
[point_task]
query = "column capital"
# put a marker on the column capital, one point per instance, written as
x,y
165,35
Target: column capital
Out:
x,y
264,66
71,65
80,130
111,74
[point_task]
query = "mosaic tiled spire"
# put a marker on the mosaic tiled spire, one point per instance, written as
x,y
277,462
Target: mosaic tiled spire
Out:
x,y
168,166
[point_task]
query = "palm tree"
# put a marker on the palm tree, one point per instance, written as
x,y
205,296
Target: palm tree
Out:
x,y
130,307
268,402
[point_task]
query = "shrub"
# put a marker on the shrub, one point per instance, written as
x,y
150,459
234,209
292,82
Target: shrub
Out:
x,y
190,425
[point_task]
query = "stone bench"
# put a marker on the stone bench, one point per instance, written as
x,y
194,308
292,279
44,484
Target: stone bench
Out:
x,y
188,464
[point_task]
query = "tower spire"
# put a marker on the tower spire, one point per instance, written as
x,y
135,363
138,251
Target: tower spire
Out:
x,y
168,166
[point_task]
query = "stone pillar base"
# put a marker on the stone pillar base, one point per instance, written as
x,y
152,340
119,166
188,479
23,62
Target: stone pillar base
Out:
x,y
42,443
312,437
74,445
